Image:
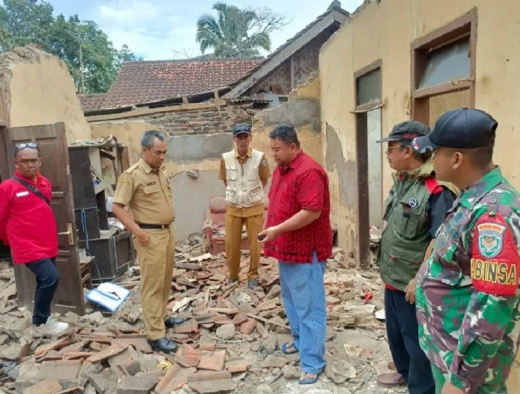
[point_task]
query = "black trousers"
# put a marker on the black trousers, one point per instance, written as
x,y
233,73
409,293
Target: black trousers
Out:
x,y
403,337
47,279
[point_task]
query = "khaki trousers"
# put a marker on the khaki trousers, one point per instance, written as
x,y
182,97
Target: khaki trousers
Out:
x,y
234,224
156,262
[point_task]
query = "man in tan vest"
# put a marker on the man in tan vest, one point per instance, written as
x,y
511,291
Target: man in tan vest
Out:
x,y
245,173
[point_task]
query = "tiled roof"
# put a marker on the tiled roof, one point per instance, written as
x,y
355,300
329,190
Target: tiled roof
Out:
x,y
149,81
91,102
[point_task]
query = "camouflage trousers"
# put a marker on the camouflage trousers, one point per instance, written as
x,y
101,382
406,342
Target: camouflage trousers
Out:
x,y
440,378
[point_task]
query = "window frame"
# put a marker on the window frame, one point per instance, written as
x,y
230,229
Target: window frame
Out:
x,y
465,26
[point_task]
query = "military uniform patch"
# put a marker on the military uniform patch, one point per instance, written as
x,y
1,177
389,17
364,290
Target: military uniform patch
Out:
x,y
490,239
412,202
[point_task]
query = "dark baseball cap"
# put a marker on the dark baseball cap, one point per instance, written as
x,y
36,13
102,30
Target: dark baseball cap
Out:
x,y
241,128
407,131
463,128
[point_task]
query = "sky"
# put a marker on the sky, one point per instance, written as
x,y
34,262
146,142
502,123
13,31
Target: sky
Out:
x,y
155,29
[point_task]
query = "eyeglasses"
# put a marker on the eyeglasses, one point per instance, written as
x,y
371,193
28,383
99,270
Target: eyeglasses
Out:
x,y
396,147
32,145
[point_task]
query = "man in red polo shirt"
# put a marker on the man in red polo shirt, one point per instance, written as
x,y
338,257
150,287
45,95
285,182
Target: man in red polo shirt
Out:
x,y
28,225
298,234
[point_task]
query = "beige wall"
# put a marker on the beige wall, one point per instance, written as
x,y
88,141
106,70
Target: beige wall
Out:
x,y
203,151
40,90
385,30
308,133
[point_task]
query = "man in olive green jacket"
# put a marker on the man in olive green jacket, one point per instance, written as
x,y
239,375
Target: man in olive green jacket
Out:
x,y
414,211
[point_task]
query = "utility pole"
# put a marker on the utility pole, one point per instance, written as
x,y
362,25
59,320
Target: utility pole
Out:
x,y
81,69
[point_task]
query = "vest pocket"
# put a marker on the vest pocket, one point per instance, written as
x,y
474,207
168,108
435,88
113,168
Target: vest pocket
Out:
x,y
231,173
256,194
230,193
450,272
407,220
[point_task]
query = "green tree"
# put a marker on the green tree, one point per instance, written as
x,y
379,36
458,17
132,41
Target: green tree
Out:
x,y
237,32
90,56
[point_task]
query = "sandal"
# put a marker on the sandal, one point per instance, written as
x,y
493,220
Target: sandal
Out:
x,y
288,345
309,381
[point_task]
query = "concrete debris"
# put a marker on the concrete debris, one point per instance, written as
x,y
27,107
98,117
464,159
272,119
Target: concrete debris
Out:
x,y
230,340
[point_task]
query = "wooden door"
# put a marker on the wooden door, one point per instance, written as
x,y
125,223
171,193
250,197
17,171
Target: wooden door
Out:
x,y
55,166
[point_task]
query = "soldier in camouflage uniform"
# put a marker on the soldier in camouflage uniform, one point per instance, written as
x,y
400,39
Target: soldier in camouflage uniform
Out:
x,y
415,210
467,297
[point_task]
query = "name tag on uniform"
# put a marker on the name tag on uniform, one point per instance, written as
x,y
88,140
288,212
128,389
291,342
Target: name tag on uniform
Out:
x,y
150,183
21,194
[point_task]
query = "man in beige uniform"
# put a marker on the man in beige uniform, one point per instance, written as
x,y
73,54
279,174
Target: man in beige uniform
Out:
x,y
145,188
245,173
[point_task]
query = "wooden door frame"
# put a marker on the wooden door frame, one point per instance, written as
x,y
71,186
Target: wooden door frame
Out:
x,y
465,26
22,275
4,122
361,124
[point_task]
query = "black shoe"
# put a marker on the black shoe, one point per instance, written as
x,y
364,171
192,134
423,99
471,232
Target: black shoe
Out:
x,y
163,345
252,284
173,321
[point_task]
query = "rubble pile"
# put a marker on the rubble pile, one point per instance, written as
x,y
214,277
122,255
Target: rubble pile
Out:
x,y
229,342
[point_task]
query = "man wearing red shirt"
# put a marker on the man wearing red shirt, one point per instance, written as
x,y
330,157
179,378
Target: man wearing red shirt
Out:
x,y
28,225
298,234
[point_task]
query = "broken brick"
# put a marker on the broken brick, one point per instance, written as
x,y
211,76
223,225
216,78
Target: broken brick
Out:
x,y
274,362
126,357
135,385
187,327
222,319
187,357
170,374
239,319
106,381
137,341
178,381
270,304
248,327
212,386
203,376
48,386
61,370
237,365
113,350
214,362
210,347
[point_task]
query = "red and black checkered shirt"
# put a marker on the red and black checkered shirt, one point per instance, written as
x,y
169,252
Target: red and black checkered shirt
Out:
x,y
303,184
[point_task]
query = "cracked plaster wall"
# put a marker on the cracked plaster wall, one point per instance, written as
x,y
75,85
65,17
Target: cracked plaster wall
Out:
x,y
39,90
303,111
384,30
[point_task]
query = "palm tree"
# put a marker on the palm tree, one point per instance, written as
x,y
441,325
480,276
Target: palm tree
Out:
x,y
229,34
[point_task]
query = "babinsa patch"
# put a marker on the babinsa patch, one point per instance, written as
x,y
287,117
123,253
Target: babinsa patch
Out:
x,y
490,239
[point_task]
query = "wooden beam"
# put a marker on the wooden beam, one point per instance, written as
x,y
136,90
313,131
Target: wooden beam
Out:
x,y
150,111
217,101
272,63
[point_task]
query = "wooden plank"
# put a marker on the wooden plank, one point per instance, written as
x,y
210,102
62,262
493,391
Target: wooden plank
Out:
x,y
272,63
444,88
152,111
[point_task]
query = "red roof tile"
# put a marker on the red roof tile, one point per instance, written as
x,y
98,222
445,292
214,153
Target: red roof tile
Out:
x,y
91,102
149,81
